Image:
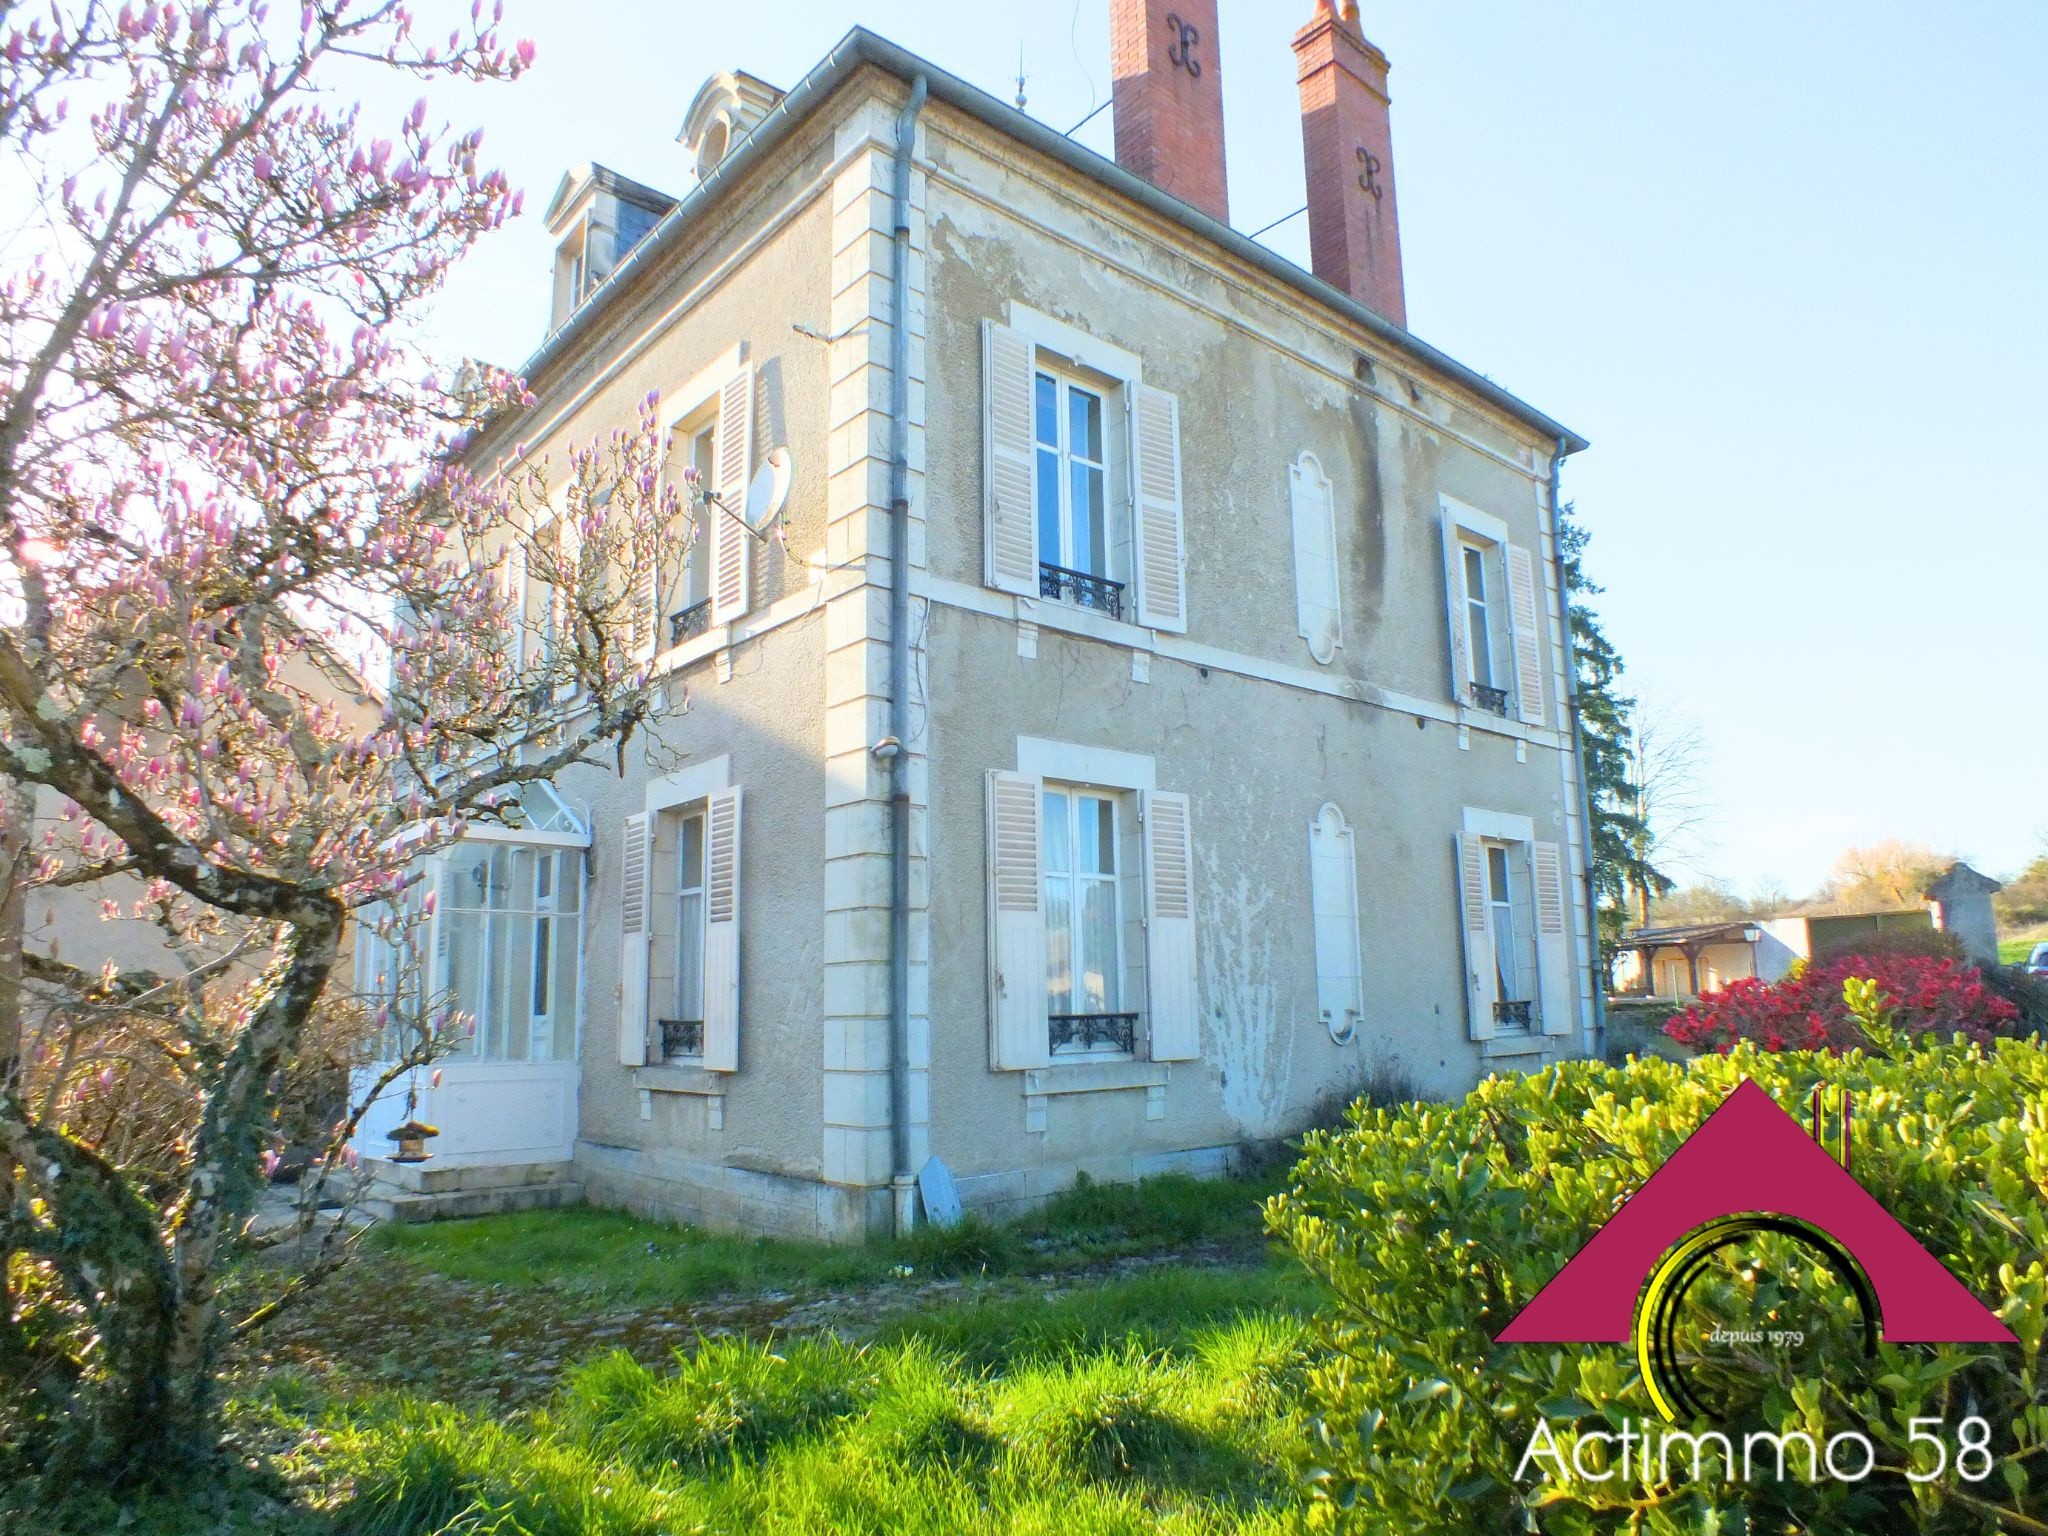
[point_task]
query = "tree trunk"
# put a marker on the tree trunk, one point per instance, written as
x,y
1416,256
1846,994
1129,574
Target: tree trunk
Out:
x,y
17,813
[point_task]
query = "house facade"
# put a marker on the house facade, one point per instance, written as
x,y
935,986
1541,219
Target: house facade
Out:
x,y
1209,751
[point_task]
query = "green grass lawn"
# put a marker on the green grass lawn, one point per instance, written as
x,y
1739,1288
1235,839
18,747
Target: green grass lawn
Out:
x,y
609,1256
1125,1360
2015,951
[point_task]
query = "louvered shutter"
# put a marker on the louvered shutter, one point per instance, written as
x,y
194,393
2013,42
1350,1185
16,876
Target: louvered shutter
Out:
x,y
1333,902
1009,462
1454,605
722,932
1155,476
568,593
1556,985
1018,1029
1528,650
1478,933
633,917
1317,608
732,545
1174,1014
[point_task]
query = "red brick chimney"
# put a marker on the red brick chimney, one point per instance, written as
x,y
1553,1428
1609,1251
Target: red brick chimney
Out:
x,y
1354,234
1169,98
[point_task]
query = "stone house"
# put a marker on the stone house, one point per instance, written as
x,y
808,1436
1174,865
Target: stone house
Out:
x,y
1208,748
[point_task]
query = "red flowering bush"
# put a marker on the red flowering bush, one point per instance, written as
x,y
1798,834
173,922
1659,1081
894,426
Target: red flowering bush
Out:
x,y
1924,995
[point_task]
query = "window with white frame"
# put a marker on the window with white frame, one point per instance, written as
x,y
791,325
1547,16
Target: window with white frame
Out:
x,y
1491,589
508,947
1082,475
684,608
1520,975
491,934
682,1030
1514,960
1081,542
679,904
1081,831
1091,913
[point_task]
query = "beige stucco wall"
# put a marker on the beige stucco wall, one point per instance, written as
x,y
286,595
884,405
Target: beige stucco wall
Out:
x,y
1258,382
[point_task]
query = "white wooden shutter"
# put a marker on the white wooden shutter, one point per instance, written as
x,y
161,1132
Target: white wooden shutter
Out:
x,y
1528,649
1009,461
634,892
722,932
1018,1028
1318,610
732,545
1156,498
1174,1012
1556,986
1478,931
568,594
1454,604
1333,902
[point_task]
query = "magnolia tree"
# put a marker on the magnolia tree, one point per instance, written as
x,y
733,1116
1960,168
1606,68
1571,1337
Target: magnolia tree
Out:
x,y
230,487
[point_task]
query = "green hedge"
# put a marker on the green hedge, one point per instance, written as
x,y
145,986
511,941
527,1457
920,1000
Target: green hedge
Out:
x,y
1432,1225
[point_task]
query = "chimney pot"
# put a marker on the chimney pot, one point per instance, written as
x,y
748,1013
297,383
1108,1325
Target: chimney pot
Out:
x,y
1169,98
1354,230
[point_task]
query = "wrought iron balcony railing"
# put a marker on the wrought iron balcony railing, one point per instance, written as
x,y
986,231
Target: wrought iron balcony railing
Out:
x,y
1095,1032
1513,1014
1493,700
681,1039
1078,587
688,623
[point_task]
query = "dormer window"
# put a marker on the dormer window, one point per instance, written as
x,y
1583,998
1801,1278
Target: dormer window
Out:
x,y
727,108
597,217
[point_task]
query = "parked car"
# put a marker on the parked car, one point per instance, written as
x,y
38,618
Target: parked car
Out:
x,y
2037,962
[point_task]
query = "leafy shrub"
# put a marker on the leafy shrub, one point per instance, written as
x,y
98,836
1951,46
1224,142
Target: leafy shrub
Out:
x,y
1431,1226
1806,1011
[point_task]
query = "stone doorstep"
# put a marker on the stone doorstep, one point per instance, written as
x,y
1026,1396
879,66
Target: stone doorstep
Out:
x,y
393,1206
445,1178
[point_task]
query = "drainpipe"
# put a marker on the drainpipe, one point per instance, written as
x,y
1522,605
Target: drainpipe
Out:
x,y
903,1180
1593,1040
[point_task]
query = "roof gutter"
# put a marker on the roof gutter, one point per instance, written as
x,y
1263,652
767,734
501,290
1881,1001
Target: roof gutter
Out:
x,y
861,46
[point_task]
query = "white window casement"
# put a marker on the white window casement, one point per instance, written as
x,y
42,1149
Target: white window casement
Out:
x,y
1490,600
1518,957
1091,915
502,942
1082,475
1333,901
710,428
680,929
1318,605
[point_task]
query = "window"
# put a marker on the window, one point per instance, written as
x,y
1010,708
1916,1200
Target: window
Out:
x,y
543,605
1510,983
1491,591
683,1034
1078,554
679,915
1520,972
1083,929
507,948
685,580
1486,691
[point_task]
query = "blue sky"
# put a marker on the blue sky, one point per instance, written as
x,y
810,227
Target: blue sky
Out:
x,y
1782,264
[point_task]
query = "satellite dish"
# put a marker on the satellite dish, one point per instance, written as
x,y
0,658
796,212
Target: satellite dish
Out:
x,y
768,490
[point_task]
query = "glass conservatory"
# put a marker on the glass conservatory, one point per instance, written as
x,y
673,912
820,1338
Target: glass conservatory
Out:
x,y
501,948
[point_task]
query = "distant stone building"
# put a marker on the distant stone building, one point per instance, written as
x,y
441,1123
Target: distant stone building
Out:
x,y
1960,903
